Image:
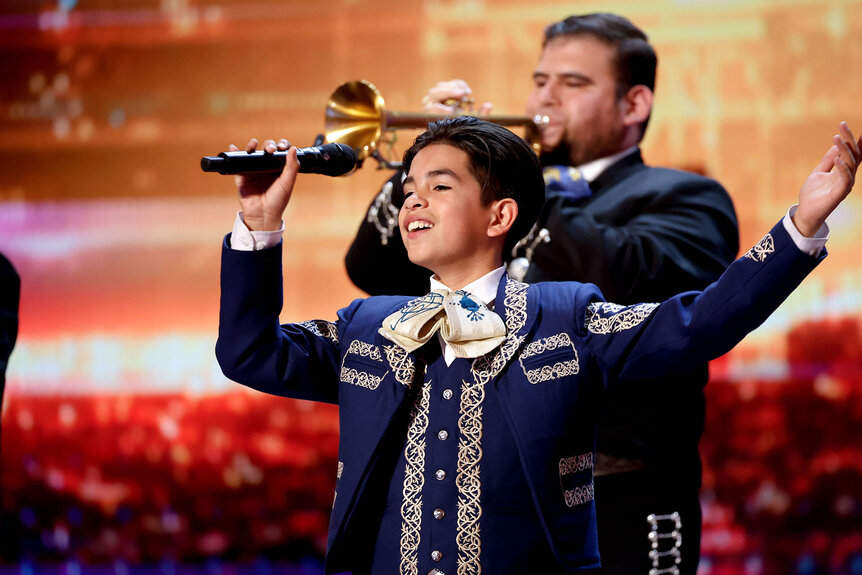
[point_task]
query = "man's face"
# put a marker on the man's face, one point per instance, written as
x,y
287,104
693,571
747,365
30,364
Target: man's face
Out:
x,y
575,86
443,222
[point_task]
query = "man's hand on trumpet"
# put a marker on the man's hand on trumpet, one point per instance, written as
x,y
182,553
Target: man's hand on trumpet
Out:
x,y
453,97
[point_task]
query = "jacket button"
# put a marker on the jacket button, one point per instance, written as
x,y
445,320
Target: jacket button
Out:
x,y
439,513
440,475
447,394
442,435
436,555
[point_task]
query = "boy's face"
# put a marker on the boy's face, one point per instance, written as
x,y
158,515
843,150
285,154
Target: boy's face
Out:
x,y
443,223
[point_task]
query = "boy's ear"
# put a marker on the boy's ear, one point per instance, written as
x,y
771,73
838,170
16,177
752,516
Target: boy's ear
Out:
x,y
504,213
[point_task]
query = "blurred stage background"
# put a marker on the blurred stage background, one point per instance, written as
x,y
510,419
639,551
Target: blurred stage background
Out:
x,y
124,449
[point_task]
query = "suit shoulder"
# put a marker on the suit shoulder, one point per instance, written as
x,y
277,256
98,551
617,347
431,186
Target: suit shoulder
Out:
x,y
557,296
662,185
372,308
675,176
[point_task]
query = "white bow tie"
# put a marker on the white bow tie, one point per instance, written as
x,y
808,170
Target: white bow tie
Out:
x,y
465,323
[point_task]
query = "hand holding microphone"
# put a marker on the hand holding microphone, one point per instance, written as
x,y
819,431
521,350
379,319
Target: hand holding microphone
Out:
x,y
266,178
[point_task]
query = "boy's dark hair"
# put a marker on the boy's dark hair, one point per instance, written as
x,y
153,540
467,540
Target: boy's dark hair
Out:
x,y
502,162
635,60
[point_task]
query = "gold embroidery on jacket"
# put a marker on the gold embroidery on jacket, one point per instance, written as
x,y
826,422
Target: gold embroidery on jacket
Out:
x,y
360,378
579,494
763,248
337,477
357,377
570,465
565,365
321,328
467,479
363,349
604,318
401,363
414,482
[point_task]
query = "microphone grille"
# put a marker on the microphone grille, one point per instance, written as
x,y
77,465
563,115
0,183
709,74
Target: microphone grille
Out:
x,y
342,158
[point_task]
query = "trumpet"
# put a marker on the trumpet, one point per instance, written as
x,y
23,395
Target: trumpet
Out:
x,y
356,115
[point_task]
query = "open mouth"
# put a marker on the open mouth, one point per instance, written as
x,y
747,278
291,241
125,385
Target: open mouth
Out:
x,y
419,225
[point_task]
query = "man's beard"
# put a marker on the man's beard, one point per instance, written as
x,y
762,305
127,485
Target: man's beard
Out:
x,y
559,156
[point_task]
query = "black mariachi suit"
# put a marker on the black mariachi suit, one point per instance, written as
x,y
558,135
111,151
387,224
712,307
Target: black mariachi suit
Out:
x,y
644,235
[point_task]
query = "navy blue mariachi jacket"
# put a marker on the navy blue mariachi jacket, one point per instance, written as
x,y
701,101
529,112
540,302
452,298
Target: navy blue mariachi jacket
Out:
x,y
564,342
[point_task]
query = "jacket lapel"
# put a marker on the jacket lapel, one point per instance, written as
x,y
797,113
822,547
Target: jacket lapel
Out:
x,y
517,306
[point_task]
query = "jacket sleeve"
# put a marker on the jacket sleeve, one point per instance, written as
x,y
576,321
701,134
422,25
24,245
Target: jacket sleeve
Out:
x,y
293,360
377,261
678,233
653,340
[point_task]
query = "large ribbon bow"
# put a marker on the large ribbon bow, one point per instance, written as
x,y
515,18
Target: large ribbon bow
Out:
x,y
465,323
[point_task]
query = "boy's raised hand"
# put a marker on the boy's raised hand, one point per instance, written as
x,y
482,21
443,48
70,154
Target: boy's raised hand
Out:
x,y
263,197
829,183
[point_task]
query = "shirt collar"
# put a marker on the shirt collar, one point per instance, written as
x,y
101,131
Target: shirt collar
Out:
x,y
484,288
592,170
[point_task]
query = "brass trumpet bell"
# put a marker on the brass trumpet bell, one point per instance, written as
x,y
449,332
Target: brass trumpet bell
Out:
x,y
356,116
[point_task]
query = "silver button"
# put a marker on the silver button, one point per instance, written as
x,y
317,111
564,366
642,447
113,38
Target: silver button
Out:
x,y
439,513
436,555
436,572
447,394
442,435
440,475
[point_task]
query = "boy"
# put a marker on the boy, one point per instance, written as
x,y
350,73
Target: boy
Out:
x,y
467,435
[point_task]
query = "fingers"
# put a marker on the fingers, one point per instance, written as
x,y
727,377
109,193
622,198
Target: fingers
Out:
x,y
846,163
447,96
847,173
828,160
844,152
251,184
269,146
847,135
451,89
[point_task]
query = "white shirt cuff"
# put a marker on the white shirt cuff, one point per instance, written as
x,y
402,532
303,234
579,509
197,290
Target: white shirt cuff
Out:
x,y
245,240
811,246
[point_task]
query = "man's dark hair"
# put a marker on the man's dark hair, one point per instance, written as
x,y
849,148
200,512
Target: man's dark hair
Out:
x,y
635,60
502,162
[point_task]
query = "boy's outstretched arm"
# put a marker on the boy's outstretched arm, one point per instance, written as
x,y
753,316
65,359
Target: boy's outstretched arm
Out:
x,y
829,183
695,327
264,197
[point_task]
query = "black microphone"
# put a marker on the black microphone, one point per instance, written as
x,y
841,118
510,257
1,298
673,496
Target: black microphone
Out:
x,y
328,159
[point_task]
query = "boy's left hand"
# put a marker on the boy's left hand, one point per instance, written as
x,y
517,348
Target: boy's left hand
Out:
x,y
829,183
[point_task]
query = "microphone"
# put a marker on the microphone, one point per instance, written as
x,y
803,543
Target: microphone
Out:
x,y
328,159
